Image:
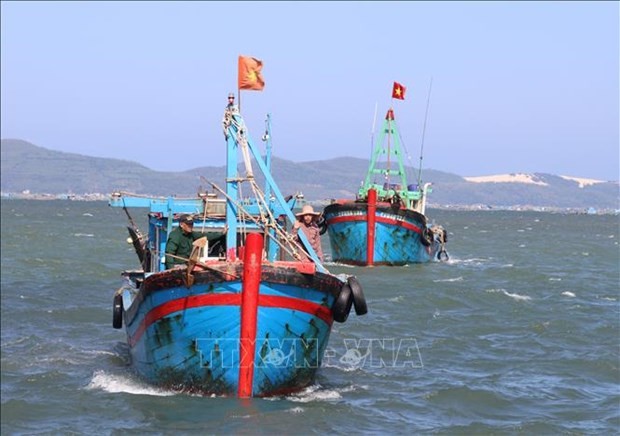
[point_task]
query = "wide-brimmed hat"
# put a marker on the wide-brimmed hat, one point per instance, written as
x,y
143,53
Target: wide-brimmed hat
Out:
x,y
307,210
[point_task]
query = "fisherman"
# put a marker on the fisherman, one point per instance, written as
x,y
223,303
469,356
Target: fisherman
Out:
x,y
180,240
231,109
307,222
231,101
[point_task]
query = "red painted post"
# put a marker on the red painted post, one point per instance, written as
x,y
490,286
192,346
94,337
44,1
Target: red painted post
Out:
x,y
370,232
249,308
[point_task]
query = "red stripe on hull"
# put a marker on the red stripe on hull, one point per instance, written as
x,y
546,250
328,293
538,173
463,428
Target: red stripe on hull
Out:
x,y
322,312
208,300
172,306
378,218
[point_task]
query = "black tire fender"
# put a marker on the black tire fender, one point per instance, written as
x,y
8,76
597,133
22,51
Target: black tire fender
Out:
x,y
117,311
342,304
359,301
426,238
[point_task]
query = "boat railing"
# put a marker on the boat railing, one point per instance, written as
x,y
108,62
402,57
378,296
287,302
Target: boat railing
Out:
x,y
390,190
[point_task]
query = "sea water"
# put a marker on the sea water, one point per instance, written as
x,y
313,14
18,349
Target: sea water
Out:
x,y
517,333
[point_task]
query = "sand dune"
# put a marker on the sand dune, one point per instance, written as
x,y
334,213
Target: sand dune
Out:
x,y
507,178
583,182
527,178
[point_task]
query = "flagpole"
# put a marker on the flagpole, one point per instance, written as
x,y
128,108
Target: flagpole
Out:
x,y
239,99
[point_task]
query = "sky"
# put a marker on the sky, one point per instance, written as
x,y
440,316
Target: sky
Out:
x,y
516,86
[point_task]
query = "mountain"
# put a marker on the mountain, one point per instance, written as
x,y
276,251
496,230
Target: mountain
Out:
x,y
25,166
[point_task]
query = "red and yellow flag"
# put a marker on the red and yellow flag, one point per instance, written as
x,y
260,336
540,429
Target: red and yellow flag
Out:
x,y
250,76
398,91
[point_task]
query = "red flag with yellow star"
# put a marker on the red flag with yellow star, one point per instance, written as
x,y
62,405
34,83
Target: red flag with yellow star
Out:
x,y
250,76
398,91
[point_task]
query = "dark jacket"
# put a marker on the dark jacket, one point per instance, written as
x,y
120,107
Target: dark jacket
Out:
x,y
179,244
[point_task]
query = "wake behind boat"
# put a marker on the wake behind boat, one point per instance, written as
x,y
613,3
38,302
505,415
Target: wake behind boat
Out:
x,y
250,311
386,223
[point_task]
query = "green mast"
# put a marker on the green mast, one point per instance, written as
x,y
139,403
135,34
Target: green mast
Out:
x,y
390,183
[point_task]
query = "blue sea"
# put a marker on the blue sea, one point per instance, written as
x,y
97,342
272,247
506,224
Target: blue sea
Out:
x,y
518,333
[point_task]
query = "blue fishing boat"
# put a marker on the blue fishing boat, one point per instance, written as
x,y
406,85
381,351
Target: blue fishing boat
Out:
x,y
250,311
386,223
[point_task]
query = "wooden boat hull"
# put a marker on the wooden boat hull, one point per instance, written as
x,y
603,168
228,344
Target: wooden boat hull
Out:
x,y
188,338
234,318
400,235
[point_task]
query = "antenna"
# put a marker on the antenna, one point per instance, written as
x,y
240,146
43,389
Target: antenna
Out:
x,y
428,100
372,132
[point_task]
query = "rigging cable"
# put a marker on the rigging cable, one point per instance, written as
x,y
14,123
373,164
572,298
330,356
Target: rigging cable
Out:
x,y
428,100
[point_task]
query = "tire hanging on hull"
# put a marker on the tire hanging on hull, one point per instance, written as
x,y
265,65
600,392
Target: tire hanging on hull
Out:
x,y
117,311
426,238
351,295
343,303
359,301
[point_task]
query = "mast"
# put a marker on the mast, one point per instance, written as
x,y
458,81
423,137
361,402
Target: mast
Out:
x,y
267,139
389,136
428,100
237,136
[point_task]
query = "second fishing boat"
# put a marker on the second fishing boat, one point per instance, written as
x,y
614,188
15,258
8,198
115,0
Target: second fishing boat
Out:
x,y
386,223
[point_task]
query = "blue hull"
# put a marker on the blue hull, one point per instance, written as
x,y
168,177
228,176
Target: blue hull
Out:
x,y
188,338
232,319
401,236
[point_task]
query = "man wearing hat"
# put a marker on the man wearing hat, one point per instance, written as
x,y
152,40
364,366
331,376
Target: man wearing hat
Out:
x,y
180,241
306,221
231,101
228,113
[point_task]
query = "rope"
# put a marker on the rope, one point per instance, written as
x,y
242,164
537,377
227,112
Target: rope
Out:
x,y
265,223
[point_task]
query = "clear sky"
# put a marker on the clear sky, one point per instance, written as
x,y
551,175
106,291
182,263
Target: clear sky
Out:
x,y
517,86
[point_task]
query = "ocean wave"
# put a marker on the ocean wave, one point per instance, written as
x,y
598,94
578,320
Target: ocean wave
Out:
x,y
514,296
115,383
456,279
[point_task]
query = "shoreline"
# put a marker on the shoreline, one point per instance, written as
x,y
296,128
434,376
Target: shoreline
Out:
x,y
455,207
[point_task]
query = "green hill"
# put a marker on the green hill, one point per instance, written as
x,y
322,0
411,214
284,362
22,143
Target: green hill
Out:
x,y
26,166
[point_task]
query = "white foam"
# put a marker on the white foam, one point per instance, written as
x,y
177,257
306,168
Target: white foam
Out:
x,y
568,294
317,393
515,296
474,261
99,352
343,368
456,279
396,299
115,383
